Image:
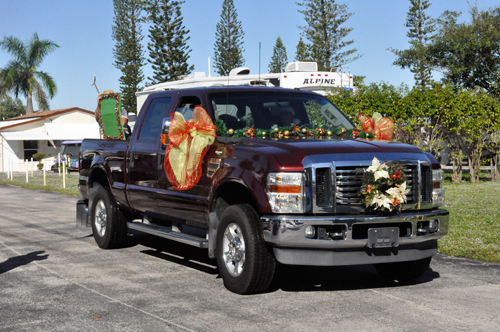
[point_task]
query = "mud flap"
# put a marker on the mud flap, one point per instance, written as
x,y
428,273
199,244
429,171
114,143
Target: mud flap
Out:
x,y
212,234
82,213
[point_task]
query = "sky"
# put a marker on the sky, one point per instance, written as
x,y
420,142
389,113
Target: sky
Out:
x,y
83,30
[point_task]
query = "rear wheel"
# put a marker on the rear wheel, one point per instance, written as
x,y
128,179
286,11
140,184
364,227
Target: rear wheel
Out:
x,y
108,224
403,271
244,261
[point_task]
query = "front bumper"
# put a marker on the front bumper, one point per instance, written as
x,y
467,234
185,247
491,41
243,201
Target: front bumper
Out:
x,y
355,245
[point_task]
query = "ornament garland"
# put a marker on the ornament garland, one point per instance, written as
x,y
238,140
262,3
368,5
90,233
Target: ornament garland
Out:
x,y
289,132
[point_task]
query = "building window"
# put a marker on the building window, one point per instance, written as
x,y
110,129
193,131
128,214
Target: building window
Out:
x,y
30,148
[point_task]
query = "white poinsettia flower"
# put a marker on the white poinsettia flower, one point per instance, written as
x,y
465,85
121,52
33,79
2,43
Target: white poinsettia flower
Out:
x,y
379,170
381,174
403,189
382,201
398,193
375,165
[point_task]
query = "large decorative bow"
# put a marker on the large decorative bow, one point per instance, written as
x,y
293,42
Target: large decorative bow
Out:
x,y
381,127
189,141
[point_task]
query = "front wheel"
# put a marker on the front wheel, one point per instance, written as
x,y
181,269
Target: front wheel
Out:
x,y
403,271
244,261
108,226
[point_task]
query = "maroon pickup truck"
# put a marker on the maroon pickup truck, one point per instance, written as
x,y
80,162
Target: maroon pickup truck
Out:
x,y
241,210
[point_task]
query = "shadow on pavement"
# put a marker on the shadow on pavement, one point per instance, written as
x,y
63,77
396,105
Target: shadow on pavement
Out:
x,y
179,253
288,278
334,278
18,261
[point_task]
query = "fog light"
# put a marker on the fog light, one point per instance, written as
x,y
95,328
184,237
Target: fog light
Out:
x,y
310,232
433,226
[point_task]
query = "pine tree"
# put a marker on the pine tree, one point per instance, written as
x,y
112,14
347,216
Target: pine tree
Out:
x,y
325,35
128,51
420,34
302,54
228,40
168,49
279,59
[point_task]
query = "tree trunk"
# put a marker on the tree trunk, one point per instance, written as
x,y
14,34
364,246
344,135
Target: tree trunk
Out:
x,y
29,104
472,170
495,173
457,170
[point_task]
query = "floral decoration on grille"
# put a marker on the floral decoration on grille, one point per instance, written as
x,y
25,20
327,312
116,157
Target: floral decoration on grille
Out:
x,y
384,188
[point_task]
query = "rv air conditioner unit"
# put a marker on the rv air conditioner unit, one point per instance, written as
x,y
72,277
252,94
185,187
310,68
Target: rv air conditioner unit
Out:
x,y
301,66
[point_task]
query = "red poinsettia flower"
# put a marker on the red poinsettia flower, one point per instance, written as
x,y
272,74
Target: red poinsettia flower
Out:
x,y
397,175
395,202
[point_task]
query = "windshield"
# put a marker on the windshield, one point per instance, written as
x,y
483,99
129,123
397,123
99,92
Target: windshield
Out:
x,y
262,110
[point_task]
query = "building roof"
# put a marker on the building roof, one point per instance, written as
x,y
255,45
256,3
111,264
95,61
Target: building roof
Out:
x,y
9,124
39,116
46,114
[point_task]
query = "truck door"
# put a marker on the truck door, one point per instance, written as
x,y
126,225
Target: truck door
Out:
x,y
142,181
185,206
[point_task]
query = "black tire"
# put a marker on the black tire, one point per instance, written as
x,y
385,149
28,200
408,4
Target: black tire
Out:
x,y
254,270
403,271
108,224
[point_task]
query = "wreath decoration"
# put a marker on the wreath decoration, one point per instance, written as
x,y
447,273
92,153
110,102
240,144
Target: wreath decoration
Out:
x,y
116,96
384,188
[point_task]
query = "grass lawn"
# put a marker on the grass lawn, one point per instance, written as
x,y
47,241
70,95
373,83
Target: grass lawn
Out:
x,y
54,183
474,221
474,214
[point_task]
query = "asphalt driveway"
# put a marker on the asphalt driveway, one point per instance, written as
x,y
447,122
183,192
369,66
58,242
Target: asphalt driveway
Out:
x,y
53,277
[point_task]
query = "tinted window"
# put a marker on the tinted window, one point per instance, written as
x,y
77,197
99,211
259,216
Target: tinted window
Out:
x,y
151,126
265,109
186,106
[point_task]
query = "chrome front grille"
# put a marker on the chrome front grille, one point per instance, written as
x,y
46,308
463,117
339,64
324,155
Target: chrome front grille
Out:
x,y
343,196
426,189
349,180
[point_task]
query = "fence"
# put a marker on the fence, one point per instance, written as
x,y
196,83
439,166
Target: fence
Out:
x,y
29,167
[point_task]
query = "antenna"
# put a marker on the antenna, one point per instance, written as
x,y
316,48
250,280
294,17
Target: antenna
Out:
x,y
209,75
259,62
95,84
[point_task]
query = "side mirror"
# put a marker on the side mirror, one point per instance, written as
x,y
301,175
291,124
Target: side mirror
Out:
x,y
166,124
164,132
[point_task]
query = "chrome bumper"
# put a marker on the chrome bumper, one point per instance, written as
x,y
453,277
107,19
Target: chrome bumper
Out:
x,y
286,234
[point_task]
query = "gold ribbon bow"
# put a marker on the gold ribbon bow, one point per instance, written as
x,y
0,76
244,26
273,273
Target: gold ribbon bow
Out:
x,y
381,127
189,141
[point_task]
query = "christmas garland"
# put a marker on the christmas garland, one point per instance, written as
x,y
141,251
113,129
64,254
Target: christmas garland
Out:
x,y
289,132
384,188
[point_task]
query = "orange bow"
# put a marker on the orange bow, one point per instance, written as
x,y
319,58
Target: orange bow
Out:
x,y
189,141
382,128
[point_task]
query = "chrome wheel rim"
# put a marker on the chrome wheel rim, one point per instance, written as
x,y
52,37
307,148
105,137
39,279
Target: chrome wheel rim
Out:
x,y
233,249
100,218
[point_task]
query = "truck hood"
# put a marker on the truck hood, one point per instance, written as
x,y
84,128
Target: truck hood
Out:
x,y
290,153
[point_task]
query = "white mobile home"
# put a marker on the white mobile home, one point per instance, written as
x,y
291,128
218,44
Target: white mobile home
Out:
x,y
297,75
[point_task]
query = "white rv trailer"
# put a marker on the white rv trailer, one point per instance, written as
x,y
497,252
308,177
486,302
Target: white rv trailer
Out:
x,y
297,75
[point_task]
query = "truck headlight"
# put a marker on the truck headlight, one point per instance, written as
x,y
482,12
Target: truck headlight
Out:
x,y
437,188
286,192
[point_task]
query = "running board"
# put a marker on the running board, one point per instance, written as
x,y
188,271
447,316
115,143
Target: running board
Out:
x,y
167,233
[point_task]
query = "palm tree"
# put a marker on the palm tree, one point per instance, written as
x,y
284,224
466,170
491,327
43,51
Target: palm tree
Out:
x,y
21,74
